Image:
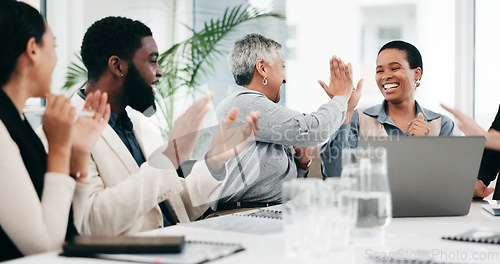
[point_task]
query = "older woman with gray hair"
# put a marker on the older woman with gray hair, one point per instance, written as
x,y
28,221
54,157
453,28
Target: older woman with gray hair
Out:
x,y
256,173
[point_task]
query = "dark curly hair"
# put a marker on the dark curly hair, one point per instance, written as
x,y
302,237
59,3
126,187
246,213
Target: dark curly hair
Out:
x,y
19,23
110,36
412,54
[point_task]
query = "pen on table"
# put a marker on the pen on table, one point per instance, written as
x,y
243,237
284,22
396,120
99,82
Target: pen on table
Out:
x,y
40,111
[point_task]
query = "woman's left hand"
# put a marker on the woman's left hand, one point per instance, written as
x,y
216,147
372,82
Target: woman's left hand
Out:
x,y
87,130
418,126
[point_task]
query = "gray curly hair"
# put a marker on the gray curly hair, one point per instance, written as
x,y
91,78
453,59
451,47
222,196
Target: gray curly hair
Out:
x,y
247,52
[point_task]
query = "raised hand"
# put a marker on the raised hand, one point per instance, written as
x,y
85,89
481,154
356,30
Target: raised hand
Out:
x,y
228,141
467,124
353,101
418,126
87,131
186,131
58,127
471,128
340,79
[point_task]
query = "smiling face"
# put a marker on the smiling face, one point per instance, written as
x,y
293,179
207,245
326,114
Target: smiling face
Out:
x,y
46,62
395,79
143,72
275,79
146,61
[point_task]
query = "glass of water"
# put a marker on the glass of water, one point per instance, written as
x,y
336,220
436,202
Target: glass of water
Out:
x,y
315,220
300,199
371,195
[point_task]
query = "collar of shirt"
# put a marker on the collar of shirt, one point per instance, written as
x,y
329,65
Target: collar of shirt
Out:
x,y
121,122
241,90
378,111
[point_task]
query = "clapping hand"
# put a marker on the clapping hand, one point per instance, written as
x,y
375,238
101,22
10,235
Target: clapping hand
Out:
x,y
228,141
418,126
70,142
186,131
88,129
86,132
58,128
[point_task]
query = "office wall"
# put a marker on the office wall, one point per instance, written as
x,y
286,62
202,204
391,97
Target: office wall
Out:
x,y
487,54
220,79
355,30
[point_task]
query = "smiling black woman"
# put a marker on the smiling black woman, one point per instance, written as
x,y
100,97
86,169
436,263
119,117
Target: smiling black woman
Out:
x,y
398,73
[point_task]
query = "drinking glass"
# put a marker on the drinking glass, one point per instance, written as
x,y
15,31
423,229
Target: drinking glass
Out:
x,y
299,209
338,211
371,195
315,221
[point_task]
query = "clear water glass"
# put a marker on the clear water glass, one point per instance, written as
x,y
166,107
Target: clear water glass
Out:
x,y
370,195
315,220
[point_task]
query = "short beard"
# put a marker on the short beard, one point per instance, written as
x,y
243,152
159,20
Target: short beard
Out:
x,y
138,93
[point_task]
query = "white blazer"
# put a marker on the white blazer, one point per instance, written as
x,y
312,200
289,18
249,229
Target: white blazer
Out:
x,y
122,198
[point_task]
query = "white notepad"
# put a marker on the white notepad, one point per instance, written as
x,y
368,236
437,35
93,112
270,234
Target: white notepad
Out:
x,y
493,209
259,221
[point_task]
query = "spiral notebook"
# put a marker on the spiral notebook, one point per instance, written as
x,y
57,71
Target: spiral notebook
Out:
x,y
258,221
477,235
192,253
263,213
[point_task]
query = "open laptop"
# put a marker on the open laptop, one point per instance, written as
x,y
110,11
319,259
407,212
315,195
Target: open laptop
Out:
x,y
430,176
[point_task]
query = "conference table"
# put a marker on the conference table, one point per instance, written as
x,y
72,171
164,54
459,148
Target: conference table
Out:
x,y
406,240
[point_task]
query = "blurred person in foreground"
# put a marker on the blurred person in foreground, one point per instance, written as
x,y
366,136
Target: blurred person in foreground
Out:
x,y
37,188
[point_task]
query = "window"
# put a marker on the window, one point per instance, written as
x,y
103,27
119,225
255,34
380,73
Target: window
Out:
x,y
269,27
355,31
487,86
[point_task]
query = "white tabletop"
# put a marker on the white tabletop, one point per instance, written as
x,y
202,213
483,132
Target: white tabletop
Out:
x,y
404,238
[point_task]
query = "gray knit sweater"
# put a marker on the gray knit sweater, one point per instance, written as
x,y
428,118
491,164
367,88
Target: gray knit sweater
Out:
x,y
256,174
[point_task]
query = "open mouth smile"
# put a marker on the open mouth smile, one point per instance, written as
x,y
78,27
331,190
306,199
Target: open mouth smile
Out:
x,y
390,87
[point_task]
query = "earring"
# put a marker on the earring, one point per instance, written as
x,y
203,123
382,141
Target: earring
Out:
x,y
122,74
264,82
417,83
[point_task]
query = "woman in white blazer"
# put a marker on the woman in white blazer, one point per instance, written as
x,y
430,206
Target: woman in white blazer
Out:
x,y
36,189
